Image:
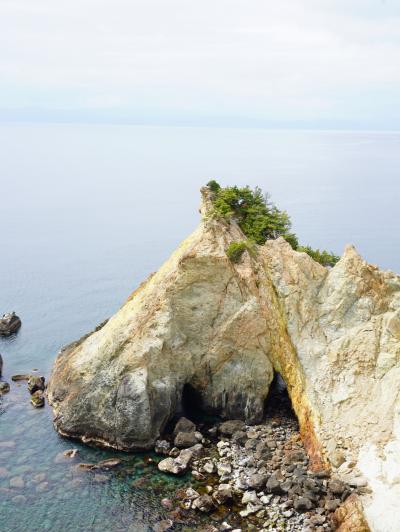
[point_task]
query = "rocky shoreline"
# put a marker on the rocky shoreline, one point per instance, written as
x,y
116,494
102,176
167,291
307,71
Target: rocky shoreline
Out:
x,y
250,477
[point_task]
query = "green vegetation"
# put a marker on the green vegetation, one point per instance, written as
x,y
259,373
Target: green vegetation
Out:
x,y
323,257
236,249
259,219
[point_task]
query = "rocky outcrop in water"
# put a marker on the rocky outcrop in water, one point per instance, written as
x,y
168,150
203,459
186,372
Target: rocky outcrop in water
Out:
x,y
9,324
216,330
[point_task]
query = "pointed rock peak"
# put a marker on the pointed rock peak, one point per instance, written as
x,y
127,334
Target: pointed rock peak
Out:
x,y
206,204
351,258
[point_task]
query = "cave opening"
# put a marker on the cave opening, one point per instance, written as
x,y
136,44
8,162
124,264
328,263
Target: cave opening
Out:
x,y
278,403
191,406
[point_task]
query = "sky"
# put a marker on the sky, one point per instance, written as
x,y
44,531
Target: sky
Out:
x,y
260,63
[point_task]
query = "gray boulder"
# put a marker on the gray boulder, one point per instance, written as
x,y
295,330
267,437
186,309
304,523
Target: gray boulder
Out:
x,y
187,439
36,383
180,464
184,425
9,324
4,387
228,428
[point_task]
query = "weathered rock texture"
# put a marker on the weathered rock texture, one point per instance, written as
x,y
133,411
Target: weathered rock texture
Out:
x,y
219,329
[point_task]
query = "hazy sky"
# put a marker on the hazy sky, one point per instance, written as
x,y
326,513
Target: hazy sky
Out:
x,y
316,63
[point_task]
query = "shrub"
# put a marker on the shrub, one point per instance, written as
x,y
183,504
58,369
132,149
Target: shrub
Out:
x,y
323,257
213,186
259,219
235,250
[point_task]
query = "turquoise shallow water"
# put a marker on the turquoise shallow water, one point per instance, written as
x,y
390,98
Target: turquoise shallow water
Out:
x,y
40,489
87,212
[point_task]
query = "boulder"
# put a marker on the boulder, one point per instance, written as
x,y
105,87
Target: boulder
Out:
x,y
257,481
187,439
184,425
4,387
223,493
36,383
228,428
302,504
37,399
180,464
162,447
204,503
9,324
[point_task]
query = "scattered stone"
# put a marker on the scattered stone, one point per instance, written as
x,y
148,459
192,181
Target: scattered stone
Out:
x,y
223,493
17,482
167,503
163,526
180,464
273,485
9,324
37,399
19,499
40,477
70,453
239,437
250,496
209,467
191,494
43,486
36,383
107,464
85,466
187,439
4,387
204,503
337,487
228,428
162,447
184,425
332,504
302,504
257,481
20,377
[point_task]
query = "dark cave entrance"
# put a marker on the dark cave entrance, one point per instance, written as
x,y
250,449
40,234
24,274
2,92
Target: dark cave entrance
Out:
x,y
278,403
191,406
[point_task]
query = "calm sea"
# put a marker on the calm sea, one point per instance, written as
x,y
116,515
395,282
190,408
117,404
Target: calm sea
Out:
x,y
88,211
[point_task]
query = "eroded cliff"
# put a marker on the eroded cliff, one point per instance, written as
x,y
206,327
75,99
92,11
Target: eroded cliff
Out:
x,y
222,328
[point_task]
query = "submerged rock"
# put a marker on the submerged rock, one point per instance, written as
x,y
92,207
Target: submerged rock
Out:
x,y
21,377
9,324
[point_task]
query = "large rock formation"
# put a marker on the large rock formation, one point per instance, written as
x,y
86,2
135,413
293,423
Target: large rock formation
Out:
x,y
219,329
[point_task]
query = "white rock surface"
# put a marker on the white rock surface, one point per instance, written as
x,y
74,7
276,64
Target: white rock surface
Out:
x,y
220,329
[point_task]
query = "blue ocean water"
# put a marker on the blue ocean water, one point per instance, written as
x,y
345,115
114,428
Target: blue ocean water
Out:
x,y
88,211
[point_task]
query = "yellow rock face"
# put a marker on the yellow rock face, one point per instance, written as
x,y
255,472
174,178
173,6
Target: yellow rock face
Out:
x,y
219,330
